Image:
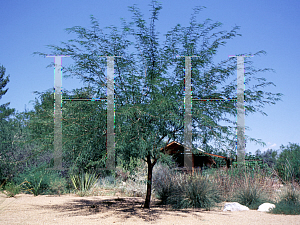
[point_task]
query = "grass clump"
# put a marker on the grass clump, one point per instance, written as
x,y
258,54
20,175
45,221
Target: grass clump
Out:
x,y
199,192
164,180
251,196
185,191
288,203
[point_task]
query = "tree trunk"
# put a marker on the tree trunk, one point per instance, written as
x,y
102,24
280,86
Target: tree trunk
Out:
x,y
149,181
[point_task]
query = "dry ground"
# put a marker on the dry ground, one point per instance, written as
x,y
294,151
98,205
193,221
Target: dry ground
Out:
x,y
70,209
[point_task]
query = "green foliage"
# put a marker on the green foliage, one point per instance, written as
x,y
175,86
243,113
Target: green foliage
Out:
x,y
269,156
154,76
36,182
84,182
40,181
288,163
289,203
84,125
5,112
11,189
132,165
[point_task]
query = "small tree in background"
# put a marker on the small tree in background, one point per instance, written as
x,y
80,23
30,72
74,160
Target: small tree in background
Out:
x,y
5,112
269,156
6,129
288,163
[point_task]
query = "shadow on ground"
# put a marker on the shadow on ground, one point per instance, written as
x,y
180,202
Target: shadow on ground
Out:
x,y
123,208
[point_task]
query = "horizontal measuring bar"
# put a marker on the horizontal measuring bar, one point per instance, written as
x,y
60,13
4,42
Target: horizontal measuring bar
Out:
x,y
104,99
221,99
240,55
84,99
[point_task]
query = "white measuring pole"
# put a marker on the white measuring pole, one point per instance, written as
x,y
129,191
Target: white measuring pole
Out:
x,y
110,161
57,112
110,138
188,160
240,133
188,140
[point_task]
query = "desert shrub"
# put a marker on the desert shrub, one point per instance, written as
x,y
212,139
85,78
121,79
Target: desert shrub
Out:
x,y
163,182
122,174
107,182
185,191
35,181
132,184
199,192
288,203
57,185
251,196
248,183
84,182
12,189
136,186
130,165
41,181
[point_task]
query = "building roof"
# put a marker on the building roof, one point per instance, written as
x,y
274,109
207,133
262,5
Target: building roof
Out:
x,y
176,147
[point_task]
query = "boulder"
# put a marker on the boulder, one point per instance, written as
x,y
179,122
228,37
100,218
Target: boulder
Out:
x,y
234,206
265,207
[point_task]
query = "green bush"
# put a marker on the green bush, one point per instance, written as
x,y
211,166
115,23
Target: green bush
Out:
x,y
36,182
11,189
40,181
288,163
289,203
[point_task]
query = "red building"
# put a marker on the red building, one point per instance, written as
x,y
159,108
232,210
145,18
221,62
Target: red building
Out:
x,y
199,160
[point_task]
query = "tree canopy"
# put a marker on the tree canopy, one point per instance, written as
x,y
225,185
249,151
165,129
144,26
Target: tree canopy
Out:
x,y
5,112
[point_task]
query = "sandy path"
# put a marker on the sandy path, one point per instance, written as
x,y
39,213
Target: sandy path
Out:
x,y
70,209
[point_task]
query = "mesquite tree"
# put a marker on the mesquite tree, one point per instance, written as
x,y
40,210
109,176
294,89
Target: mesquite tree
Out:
x,y
149,82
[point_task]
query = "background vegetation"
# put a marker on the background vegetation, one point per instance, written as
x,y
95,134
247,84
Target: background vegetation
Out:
x,y
149,77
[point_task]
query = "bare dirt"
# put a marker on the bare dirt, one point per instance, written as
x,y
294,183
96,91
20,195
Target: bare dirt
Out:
x,y
71,209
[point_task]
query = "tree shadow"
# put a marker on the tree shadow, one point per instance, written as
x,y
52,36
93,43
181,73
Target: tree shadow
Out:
x,y
122,208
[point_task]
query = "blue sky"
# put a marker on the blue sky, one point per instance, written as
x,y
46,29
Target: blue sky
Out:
x,y
270,25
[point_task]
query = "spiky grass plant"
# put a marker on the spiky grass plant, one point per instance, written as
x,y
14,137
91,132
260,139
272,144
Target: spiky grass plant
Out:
x,y
199,192
251,195
185,191
84,182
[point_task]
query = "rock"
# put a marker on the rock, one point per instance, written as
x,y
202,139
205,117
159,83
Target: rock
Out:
x,y
234,206
265,207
